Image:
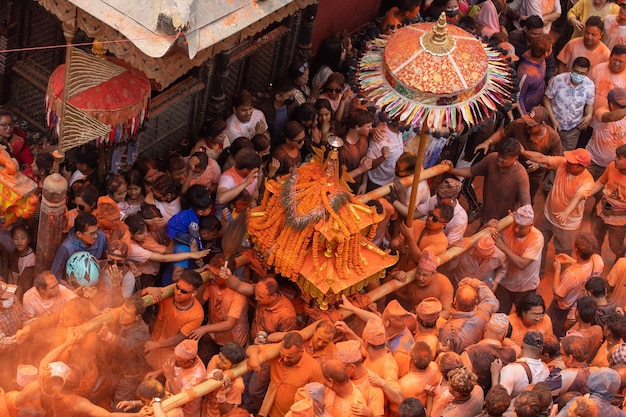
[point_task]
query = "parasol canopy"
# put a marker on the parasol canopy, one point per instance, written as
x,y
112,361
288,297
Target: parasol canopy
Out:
x,y
435,73
108,91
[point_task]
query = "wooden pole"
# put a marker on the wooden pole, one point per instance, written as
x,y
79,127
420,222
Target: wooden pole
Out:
x,y
69,30
419,160
274,350
166,292
406,181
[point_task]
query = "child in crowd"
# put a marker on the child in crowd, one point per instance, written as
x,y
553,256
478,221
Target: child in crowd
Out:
x,y
22,261
135,194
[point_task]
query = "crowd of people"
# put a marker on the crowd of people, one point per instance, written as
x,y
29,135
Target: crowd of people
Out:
x,y
471,337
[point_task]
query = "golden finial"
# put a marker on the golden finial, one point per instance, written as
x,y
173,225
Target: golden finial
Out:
x,y
438,42
98,49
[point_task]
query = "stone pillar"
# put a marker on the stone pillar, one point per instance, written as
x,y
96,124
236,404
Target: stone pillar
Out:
x,y
51,218
306,32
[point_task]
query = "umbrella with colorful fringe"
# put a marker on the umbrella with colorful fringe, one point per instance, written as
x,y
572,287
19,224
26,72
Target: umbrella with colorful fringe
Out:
x,y
435,73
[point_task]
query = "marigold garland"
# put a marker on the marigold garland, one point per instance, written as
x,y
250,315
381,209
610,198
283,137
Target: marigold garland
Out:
x,y
310,210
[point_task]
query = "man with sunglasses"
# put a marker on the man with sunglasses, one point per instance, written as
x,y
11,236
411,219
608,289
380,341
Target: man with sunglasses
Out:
x,y
177,317
448,193
425,235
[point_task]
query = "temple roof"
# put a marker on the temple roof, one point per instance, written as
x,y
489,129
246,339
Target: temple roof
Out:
x,y
169,37
155,25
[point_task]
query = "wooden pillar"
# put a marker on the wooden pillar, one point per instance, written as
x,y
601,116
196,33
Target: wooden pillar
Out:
x,y
306,32
51,216
218,90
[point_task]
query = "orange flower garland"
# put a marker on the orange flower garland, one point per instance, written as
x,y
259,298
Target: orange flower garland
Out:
x,y
310,210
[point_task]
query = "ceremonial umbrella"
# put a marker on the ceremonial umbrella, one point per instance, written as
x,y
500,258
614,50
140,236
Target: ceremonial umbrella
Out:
x,y
107,100
435,73
431,75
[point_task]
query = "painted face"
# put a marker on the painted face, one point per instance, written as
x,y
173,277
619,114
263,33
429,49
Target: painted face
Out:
x,y
244,112
423,278
128,315
617,63
592,36
321,338
533,316
402,169
223,362
241,205
6,127
504,162
574,169
262,296
89,236
89,292
183,292
108,224
521,230
291,356
434,220
533,130
52,287
620,162
71,317
184,363
21,240
140,236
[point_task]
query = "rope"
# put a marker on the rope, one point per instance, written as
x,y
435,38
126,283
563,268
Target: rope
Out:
x,y
63,46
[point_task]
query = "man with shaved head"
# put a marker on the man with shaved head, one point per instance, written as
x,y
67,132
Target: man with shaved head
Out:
x,y
342,397
320,346
473,305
